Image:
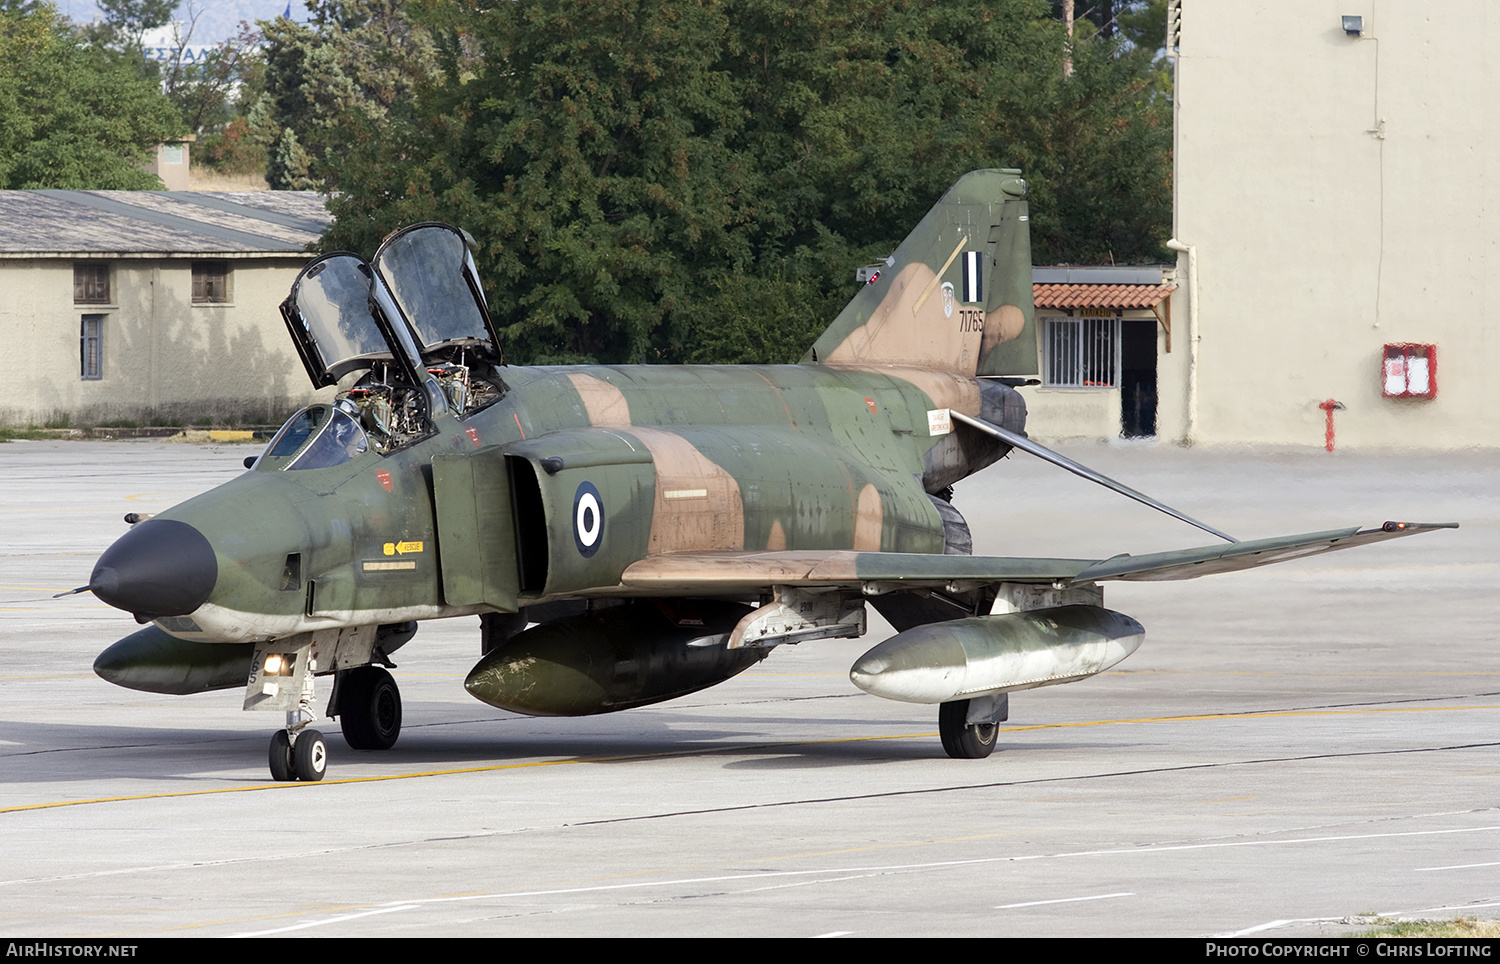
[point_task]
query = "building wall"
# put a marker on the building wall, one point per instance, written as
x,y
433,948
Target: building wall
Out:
x,y
164,358
1063,413
1337,192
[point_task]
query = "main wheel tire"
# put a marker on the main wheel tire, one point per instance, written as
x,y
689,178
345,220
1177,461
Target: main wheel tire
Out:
x,y
310,756
281,757
369,708
961,740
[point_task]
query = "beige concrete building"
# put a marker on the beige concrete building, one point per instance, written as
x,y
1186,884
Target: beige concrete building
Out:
x,y
149,305
1336,226
1334,199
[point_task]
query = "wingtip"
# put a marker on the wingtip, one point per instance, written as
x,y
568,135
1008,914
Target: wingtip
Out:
x,y
1414,526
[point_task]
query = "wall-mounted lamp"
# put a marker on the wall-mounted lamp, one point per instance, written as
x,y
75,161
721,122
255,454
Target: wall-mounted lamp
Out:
x,y
1354,26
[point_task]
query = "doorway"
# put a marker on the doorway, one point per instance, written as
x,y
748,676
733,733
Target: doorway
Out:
x,y
1138,379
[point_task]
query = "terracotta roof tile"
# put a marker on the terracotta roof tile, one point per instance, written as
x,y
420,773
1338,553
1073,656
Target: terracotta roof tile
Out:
x,y
1099,296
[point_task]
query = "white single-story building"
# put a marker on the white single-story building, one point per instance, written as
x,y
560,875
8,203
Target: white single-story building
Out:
x,y
151,306
1098,334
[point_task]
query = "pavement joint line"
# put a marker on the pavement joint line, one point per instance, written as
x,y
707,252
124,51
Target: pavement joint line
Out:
x,y
1063,900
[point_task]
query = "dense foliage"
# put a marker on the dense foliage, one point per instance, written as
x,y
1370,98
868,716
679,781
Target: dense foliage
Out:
x,y
698,181
353,62
73,115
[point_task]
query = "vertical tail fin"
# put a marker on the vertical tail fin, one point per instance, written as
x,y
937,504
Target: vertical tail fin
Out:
x,y
956,295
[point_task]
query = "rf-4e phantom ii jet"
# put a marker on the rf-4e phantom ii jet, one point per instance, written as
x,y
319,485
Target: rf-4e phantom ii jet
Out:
x,y
664,527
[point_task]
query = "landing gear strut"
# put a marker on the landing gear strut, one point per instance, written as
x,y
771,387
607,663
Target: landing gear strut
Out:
x,y
365,698
369,708
963,740
285,680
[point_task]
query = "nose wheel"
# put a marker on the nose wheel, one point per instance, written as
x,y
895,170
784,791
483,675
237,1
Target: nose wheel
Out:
x,y
281,678
281,757
306,759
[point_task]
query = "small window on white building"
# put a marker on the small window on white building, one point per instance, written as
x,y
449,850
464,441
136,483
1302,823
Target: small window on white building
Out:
x,y
210,283
91,284
91,348
1081,352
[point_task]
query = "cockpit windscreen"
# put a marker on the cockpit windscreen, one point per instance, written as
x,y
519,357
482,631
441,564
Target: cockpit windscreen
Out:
x,y
317,437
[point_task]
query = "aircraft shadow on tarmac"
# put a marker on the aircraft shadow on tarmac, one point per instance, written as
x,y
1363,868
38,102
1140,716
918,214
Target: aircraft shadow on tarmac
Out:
x,y
78,752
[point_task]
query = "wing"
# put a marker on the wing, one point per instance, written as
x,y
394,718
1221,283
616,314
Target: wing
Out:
x,y
875,573
1192,563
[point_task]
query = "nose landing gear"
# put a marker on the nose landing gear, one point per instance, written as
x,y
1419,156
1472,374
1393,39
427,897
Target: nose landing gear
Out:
x,y
305,759
365,698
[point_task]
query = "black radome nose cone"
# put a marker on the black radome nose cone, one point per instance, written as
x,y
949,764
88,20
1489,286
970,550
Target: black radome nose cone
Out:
x,y
161,567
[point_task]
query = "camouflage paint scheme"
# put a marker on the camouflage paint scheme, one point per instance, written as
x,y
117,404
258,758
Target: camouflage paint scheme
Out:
x,y
816,486
835,455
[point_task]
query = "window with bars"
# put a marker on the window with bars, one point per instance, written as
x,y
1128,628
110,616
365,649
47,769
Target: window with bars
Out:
x,y
210,283
1082,352
91,348
91,284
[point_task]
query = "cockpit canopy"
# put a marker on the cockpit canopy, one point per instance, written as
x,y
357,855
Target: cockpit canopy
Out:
x,y
413,319
329,314
432,278
417,304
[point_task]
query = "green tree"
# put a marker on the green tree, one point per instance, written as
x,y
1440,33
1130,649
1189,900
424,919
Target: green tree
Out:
x,y
590,152
125,22
689,182
1095,147
354,61
208,90
73,116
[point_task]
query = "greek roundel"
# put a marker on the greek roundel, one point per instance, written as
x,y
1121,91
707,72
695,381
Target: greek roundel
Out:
x,y
588,519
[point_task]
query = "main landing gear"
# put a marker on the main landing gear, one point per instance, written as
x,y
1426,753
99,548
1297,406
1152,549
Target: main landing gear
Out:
x,y
369,708
969,728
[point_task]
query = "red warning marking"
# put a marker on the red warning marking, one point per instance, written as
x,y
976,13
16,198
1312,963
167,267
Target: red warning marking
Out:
x,y
385,478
